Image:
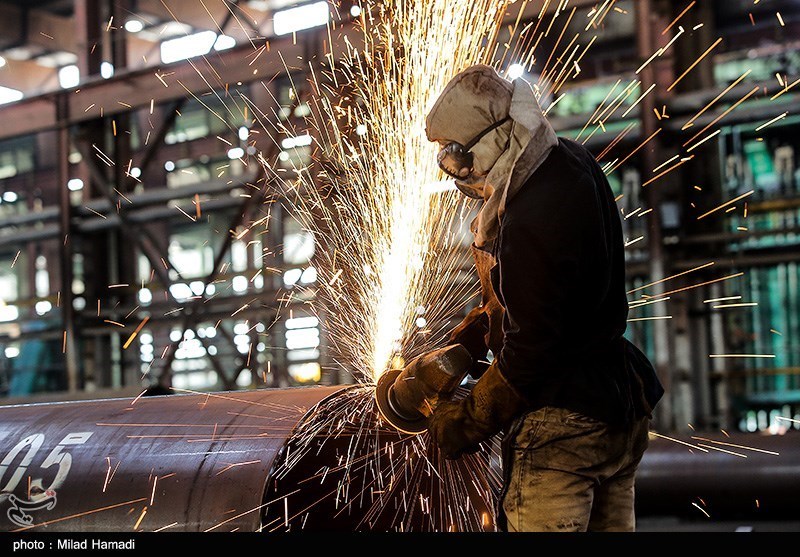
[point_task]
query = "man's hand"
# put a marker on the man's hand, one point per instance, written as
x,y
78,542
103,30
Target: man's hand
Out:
x,y
457,427
452,431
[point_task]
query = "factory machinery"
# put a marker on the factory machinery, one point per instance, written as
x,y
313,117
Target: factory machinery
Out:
x,y
217,462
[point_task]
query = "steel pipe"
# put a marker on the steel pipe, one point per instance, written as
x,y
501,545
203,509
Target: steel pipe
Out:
x,y
218,462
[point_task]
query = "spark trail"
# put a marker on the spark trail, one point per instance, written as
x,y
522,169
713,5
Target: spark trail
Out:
x,y
389,250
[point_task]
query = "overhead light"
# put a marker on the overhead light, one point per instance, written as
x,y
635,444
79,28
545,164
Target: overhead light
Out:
x,y
8,313
134,25
76,184
291,276
361,129
244,133
301,17
136,172
515,71
69,76
9,95
235,153
309,276
169,166
224,42
10,196
302,322
2,61
106,70
187,47
298,141
355,10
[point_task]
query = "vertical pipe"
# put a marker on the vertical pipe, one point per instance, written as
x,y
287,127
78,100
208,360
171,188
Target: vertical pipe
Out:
x,y
87,29
70,344
646,45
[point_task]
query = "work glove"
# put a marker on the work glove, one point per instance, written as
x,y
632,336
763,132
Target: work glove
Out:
x,y
458,427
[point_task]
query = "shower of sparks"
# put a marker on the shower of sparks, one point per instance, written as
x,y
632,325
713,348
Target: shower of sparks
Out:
x,y
736,446
659,435
390,246
701,509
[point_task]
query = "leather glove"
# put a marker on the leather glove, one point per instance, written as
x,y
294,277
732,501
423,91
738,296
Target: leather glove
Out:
x,y
458,427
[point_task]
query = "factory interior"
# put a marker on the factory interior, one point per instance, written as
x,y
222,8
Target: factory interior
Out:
x,y
189,341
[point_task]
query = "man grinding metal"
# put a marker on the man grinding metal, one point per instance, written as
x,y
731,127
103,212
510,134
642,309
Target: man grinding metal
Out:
x,y
572,395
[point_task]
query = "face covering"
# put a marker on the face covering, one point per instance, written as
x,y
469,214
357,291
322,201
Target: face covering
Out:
x,y
457,160
495,165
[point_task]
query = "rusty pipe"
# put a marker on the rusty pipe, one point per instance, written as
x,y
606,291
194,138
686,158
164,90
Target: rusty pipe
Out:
x,y
184,462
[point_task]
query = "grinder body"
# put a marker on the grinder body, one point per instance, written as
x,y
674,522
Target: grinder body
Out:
x,y
407,397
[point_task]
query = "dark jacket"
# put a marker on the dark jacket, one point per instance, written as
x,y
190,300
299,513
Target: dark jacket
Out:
x,y
560,279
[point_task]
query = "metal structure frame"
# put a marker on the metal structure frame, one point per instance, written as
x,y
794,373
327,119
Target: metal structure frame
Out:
x,y
80,120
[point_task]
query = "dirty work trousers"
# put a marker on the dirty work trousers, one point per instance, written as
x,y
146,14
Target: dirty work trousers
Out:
x,y
566,472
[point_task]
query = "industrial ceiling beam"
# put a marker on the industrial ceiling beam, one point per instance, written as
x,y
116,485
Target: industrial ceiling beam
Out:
x,y
207,15
19,27
28,76
138,88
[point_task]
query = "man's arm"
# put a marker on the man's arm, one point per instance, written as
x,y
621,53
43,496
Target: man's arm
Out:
x,y
540,249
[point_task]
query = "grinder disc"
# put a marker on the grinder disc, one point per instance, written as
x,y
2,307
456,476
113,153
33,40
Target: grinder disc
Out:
x,y
382,389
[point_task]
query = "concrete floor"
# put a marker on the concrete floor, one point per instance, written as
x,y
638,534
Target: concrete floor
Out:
x,y
673,524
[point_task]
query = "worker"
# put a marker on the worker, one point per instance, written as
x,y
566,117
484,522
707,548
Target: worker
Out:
x,y
572,395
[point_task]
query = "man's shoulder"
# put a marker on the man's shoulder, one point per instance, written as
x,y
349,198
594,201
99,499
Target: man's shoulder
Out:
x,y
559,189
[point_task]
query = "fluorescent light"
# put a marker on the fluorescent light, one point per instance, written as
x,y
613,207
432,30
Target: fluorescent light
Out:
x,y
299,141
239,283
224,42
9,95
309,276
291,276
106,70
76,184
186,47
69,76
302,322
301,17
235,153
8,313
180,291
302,338
145,296
515,71
133,26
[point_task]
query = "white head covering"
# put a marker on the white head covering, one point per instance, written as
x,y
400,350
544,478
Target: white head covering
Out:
x,y
474,100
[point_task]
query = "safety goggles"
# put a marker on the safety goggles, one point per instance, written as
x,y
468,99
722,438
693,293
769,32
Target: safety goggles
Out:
x,y
456,160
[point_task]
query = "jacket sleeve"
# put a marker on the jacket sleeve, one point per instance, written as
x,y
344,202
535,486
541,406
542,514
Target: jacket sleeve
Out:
x,y
539,262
